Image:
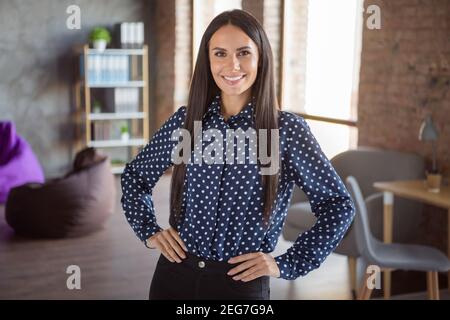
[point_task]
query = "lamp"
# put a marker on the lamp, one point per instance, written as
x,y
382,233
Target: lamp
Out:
x,y
428,132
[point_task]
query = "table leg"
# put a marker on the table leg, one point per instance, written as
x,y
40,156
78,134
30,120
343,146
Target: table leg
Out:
x,y
388,207
448,247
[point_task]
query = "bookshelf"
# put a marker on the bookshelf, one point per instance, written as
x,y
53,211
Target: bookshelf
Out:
x,y
119,79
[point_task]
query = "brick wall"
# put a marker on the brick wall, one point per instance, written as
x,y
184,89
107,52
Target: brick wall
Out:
x,y
255,7
183,52
272,25
399,64
163,72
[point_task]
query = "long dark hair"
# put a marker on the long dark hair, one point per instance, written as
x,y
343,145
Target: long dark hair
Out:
x,y
203,89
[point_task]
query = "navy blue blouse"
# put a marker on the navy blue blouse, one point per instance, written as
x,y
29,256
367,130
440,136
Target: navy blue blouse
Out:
x,y
222,205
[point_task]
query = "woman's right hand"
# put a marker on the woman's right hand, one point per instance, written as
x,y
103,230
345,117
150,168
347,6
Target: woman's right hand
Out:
x,y
169,243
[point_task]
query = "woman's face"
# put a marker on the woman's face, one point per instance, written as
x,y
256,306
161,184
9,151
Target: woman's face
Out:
x,y
234,60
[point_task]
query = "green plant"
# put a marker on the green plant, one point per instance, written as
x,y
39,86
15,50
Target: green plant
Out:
x,y
124,129
100,33
97,106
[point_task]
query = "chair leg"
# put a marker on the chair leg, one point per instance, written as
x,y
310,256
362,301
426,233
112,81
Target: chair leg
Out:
x,y
352,274
433,285
436,285
364,292
430,285
387,284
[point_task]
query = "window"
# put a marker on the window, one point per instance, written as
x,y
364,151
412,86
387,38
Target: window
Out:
x,y
321,67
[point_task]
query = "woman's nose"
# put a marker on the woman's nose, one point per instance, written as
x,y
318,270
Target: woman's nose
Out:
x,y
235,62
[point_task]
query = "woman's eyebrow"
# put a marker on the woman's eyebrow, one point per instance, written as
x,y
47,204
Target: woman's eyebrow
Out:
x,y
238,49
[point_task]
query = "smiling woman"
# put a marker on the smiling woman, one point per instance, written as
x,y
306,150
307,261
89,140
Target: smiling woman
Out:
x,y
226,218
234,66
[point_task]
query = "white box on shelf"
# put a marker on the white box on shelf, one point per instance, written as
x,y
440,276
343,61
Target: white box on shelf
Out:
x,y
124,35
131,35
126,100
140,34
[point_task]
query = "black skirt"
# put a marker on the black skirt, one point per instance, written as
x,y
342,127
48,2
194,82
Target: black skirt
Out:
x,y
197,278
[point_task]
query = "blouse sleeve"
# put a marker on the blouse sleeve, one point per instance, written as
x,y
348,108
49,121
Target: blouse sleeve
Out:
x,y
141,175
330,202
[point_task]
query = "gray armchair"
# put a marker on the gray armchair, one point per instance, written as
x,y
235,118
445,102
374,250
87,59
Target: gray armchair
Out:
x,y
367,165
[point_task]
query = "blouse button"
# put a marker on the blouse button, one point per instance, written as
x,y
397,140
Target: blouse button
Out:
x,y
201,264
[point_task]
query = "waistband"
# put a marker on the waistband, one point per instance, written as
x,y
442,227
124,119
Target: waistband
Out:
x,y
201,264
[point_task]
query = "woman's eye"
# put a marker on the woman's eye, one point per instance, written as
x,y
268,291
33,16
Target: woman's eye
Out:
x,y
219,54
244,53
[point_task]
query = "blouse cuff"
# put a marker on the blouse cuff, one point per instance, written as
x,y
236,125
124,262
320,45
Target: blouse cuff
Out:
x,y
150,230
288,270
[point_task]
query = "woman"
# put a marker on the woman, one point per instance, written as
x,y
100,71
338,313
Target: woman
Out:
x,y
226,218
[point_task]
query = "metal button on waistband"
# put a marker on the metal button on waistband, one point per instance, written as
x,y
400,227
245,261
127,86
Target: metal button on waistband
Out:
x,y
201,264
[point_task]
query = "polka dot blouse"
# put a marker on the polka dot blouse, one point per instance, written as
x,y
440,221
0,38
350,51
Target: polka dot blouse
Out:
x,y
222,205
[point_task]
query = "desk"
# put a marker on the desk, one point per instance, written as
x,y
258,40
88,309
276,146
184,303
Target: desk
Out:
x,y
414,190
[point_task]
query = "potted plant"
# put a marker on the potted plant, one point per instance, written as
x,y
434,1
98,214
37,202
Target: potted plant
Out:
x,y
97,107
100,37
124,134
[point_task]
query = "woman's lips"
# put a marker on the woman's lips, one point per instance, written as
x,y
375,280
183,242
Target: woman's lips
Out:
x,y
232,81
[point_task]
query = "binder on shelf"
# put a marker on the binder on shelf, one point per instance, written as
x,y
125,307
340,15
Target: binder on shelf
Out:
x,y
107,69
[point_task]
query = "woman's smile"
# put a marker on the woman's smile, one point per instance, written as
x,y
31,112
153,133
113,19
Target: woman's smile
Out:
x,y
233,81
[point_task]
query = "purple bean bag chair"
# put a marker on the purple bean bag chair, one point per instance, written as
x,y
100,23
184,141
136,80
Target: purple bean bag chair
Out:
x,y
18,164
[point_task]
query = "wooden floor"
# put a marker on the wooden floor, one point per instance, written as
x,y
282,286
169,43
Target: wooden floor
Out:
x,y
115,265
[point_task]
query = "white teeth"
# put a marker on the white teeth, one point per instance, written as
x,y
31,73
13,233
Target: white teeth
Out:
x,y
234,79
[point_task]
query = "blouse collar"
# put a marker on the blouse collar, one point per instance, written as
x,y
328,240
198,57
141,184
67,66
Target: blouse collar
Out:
x,y
247,112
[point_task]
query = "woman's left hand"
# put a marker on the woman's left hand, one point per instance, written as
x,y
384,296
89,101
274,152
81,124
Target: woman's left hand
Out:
x,y
254,265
